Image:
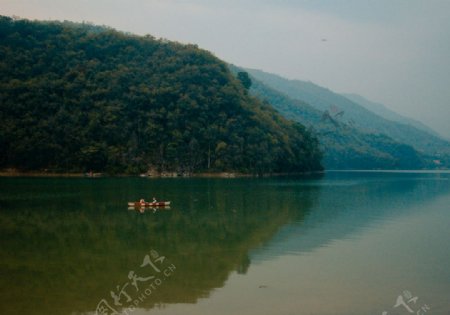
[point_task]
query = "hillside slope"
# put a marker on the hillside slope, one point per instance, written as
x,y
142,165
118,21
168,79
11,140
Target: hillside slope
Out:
x,y
344,146
77,97
386,113
356,115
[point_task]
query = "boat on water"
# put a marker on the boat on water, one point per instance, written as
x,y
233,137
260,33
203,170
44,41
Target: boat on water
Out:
x,y
138,204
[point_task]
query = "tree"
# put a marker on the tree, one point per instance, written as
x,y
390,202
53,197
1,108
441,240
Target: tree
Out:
x,y
245,79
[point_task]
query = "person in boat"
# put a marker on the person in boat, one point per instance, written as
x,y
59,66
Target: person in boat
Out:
x,y
154,200
142,202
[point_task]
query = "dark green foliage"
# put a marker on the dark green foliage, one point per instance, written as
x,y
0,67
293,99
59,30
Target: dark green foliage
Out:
x,y
245,79
76,97
344,146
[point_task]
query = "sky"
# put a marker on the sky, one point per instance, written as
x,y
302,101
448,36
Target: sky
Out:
x,y
394,52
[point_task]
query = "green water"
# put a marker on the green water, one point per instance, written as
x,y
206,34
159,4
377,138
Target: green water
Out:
x,y
339,243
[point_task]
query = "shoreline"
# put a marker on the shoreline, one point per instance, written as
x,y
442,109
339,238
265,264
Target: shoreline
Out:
x,y
16,173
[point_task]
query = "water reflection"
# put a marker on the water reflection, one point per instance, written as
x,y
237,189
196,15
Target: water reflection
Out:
x,y
352,202
67,243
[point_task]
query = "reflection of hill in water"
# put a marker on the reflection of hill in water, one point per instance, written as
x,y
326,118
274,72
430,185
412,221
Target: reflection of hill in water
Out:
x,y
351,205
66,243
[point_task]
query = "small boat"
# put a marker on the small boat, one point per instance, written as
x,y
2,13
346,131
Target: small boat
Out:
x,y
138,204
145,209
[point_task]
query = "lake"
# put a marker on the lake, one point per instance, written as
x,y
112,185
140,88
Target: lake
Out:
x,y
337,243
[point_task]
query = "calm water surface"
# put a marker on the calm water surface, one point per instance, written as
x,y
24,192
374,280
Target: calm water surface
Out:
x,y
340,243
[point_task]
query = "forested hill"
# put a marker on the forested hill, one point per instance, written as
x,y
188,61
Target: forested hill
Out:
x,y
77,97
344,145
382,111
356,115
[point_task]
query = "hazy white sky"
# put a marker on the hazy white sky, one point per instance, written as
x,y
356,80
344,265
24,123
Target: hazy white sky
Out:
x,y
396,52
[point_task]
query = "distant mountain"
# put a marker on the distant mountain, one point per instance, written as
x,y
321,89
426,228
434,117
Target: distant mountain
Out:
x,y
344,146
356,115
389,114
78,97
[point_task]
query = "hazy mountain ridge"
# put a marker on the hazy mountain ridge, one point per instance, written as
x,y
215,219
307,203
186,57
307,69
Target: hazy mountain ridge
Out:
x,y
344,146
383,111
78,97
356,115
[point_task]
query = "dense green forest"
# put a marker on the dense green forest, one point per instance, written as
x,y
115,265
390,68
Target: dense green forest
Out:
x,y
345,146
78,97
356,115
